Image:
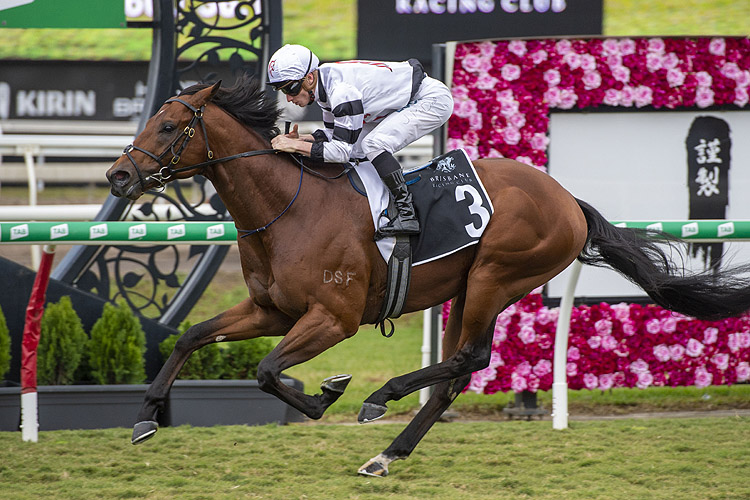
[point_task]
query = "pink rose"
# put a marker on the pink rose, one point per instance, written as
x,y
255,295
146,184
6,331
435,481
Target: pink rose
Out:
x,y
694,348
710,335
703,79
518,383
702,377
606,381
743,79
571,369
573,353
675,77
704,97
510,72
609,343
568,99
627,96
511,135
523,369
656,45
471,63
639,366
553,97
644,380
552,77
671,61
731,71
743,371
627,47
539,141
573,60
592,80
622,311
643,96
542,368
621,74
539,57
677,352
475,122
610,46
518,120
669,324
744,340
721,360
717,46
628,328
588,62
591,381
476,384
661,352
741,96
611,97
501,334
654,62
595,341
563,46
486,82
733,342
517,47
496,360
653,326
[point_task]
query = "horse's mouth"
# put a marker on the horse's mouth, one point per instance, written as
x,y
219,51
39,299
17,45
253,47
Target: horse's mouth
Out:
x,y
124,185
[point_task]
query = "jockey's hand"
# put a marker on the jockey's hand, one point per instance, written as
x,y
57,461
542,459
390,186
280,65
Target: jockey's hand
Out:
x,y
285,142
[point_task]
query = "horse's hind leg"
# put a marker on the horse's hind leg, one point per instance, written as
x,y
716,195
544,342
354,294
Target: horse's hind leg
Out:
x,y
243,321
442,397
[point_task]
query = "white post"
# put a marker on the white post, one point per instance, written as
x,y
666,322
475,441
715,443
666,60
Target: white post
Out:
x,y
424,393
28,154
560,383
29,417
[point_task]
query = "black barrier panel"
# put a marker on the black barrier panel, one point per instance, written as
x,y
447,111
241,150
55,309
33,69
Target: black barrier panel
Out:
x,y
399,29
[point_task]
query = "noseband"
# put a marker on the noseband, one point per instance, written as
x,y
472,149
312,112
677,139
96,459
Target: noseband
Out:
x,y
166,172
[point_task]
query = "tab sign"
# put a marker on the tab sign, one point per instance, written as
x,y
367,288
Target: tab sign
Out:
x,y
689,230
725,229
215,231
98,231
137,231
18,232
177,231
59,231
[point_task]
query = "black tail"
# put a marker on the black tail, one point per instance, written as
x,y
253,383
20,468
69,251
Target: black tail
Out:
x,y
634,253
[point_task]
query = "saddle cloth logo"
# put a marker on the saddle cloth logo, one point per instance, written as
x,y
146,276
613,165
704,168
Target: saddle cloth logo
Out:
x,y
452,206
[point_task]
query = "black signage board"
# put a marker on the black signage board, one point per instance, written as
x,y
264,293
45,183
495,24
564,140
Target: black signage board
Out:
x,y
396,30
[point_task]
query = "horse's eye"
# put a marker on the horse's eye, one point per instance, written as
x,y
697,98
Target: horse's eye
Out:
x,y
168,128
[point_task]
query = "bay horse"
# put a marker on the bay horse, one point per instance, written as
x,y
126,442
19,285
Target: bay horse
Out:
x,y
301,228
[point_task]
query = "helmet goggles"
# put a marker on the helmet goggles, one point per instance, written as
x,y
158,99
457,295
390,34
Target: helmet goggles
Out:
x,y
293,87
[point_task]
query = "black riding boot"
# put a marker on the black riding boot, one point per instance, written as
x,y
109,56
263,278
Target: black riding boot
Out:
x,y
406,219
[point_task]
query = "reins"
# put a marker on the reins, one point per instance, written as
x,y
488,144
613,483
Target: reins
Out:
x,y
166,172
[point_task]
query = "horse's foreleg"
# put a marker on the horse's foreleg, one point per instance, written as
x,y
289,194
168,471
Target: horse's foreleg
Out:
x,y
313,333
243,321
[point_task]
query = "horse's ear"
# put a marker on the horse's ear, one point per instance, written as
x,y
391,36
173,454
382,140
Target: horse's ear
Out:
x,y
214,90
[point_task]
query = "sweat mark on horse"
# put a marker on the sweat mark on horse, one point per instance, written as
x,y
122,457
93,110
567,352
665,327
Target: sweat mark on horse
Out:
x,y
538,229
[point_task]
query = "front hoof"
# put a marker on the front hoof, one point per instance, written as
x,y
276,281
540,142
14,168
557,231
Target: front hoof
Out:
x,y
336,383
374,468
142,431
371,412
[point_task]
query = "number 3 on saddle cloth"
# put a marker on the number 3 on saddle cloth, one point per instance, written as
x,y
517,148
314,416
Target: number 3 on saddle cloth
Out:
x,y
453,210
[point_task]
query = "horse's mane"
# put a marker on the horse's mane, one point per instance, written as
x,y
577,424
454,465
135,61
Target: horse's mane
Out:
x,y
248,102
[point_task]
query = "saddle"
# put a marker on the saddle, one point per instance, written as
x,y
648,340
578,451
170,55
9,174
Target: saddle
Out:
x,y
453,209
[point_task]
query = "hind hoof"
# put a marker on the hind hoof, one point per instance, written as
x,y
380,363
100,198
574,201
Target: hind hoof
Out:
x,y
373,468
142,431
336,383
371,412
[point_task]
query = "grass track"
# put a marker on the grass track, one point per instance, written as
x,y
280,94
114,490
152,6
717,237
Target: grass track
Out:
x,y
630,459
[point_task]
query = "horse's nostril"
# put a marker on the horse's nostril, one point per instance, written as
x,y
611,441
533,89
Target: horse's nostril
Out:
x,y
120,176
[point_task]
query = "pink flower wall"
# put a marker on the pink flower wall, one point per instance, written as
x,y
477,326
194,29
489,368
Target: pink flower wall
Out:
x,y
503,93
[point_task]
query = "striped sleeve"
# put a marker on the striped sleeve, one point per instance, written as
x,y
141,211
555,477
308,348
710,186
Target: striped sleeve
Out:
x,y
347,113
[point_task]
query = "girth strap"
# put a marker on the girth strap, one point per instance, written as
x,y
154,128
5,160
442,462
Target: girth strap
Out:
x,y
397,284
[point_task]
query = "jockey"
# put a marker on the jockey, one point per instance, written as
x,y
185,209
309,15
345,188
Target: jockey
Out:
x,y
371,110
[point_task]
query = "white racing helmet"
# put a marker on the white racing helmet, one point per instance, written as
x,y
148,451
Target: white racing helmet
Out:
x,y
291,63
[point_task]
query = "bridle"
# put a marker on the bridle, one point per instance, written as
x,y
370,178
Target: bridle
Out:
x,y
166,172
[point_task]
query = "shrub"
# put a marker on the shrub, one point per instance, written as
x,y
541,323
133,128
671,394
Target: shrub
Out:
x,y
206,363
4,346
117,346
62,342
243,357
